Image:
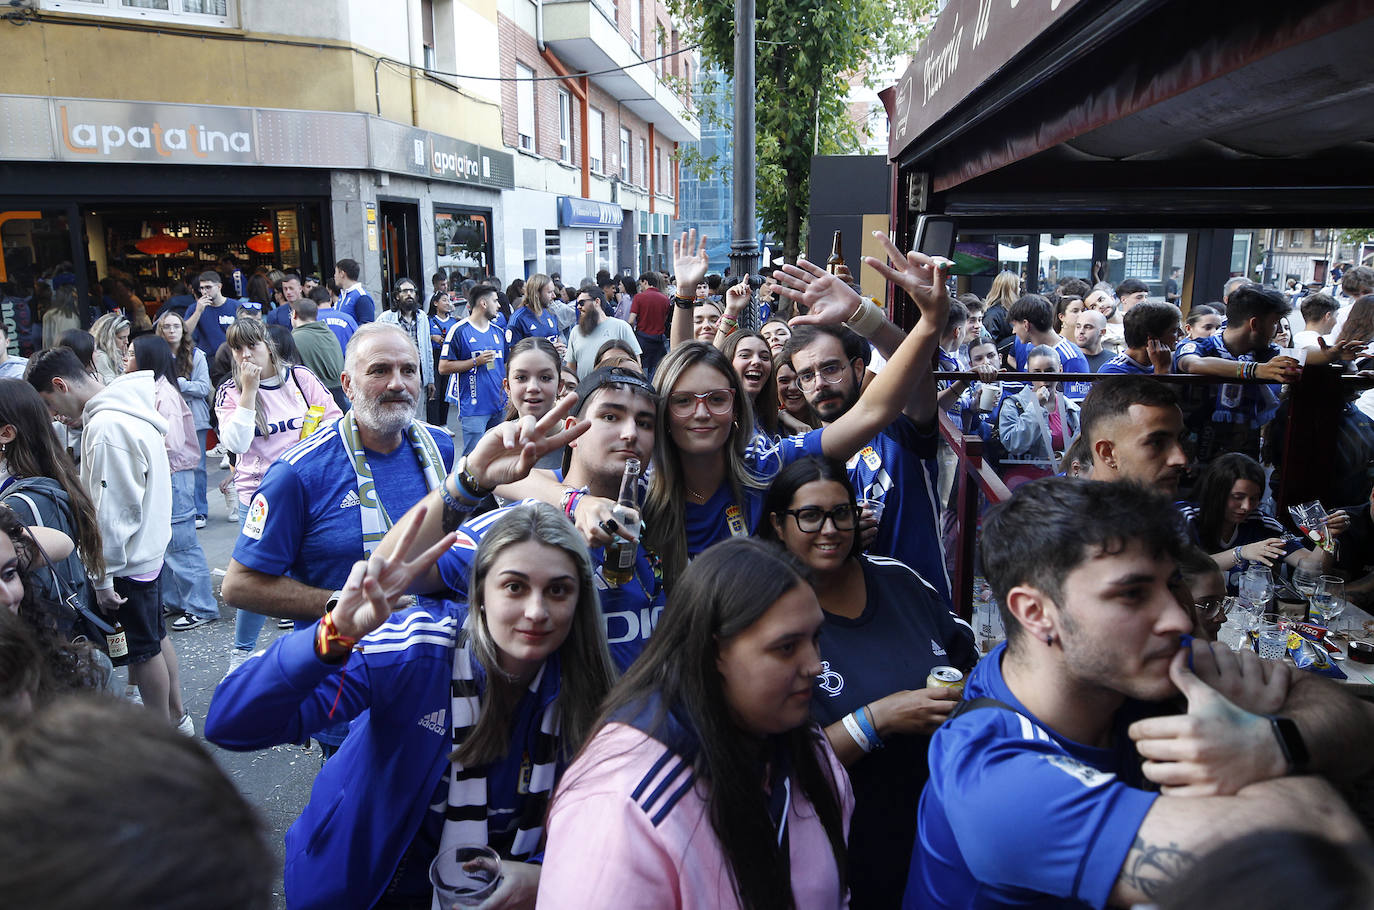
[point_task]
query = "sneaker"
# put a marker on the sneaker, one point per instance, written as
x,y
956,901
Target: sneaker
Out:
x,y
186,726
191,621
286,624
236,659
132,694
201,521
224,463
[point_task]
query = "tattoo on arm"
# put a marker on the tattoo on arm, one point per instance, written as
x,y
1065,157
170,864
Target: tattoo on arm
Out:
x,y
1149,867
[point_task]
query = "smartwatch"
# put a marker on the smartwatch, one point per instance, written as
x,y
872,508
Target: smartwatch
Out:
x,y
1291,743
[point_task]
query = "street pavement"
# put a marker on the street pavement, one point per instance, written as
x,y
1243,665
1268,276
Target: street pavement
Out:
x,y
277,781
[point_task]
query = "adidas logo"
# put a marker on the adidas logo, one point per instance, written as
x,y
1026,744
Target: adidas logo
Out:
x,y
936,649
434,722
350,500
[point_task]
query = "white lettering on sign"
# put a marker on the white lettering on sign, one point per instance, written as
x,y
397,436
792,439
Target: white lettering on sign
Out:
x,y
444,164
980,26
419,153
938,67
105,138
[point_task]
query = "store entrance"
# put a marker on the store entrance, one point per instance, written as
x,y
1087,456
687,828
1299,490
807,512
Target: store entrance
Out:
x,y
400,229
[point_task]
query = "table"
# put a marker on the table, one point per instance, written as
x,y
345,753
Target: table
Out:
x,y
1359,677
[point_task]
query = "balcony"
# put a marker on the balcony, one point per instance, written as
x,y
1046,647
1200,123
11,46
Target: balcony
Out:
x,y
584,37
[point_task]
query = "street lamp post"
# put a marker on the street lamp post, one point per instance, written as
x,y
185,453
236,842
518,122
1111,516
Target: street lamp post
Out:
x,y
744,245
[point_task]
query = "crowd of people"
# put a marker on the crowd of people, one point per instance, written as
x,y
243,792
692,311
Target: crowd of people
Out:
x,y
643,587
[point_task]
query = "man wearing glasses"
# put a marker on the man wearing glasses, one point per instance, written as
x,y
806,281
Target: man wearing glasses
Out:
x,y
898,467
211,315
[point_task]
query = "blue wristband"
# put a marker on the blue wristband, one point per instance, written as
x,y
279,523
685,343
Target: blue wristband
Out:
x,y
866,724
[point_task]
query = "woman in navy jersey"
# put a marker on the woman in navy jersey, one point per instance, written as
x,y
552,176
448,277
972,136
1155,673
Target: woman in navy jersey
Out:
x,y
534,319
885,629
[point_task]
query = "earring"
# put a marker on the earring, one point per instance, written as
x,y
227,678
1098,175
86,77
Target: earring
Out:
x,y
1049,640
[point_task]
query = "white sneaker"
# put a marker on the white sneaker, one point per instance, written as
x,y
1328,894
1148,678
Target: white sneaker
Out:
x,y
224,463
132,694
236,659
186,727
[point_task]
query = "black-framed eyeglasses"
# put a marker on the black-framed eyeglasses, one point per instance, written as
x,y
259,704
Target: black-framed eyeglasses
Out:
x,y
829,373
811,519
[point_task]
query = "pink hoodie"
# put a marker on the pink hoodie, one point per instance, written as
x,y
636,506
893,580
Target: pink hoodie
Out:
x,y
629,829
183,445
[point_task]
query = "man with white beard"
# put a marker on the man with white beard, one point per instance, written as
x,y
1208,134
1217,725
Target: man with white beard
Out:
x,y
329,500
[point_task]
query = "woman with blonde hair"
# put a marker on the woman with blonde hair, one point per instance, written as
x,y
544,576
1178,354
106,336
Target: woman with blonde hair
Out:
x,y
1006,287
111,334
263,410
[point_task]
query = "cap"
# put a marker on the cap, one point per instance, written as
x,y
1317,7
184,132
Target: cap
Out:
x,y
605,376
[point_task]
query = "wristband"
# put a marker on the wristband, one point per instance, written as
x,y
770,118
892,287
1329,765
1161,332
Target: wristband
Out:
x,y
1240,369
1291,744
866,319
570,500
684,303
327,635
1240,560
866,724
467,484
456,507
856,733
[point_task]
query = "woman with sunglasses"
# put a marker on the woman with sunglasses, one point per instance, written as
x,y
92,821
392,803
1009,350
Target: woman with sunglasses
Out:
x,y
885,629
710,465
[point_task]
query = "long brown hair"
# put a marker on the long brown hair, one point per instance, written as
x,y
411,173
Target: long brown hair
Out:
x,y
35,452
1359,324
766,404
185,352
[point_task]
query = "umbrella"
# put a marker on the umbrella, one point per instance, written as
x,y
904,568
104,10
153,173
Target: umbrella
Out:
x,y
1011,253
161,244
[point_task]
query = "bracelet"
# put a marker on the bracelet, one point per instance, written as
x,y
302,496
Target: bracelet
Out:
x,y
866,319
870,729
570,500
1240,370
327,635
1240,560
456,507
684,303
856,733
467,484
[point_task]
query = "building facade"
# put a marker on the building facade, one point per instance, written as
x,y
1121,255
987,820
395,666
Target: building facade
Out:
x,y
596,175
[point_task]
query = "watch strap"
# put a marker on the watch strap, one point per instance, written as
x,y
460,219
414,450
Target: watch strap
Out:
x,y
1291,743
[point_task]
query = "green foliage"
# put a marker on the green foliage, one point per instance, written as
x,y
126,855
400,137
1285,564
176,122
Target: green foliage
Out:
x,y
1354,236
805,52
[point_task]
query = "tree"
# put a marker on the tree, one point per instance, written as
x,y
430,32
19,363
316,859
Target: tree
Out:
x,y
805,52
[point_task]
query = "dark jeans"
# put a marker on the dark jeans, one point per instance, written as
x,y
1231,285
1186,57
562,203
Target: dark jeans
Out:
x,y
654,347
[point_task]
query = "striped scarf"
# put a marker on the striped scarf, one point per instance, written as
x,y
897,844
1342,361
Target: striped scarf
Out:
x,y
465,819
376,522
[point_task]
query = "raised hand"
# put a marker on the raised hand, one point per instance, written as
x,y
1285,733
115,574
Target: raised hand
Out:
x,y
377,584
509,450
826,299
690,262
920,276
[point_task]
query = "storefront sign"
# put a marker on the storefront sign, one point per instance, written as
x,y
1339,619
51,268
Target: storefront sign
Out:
x,y
154,133
971,40
371,227
84,129
575,212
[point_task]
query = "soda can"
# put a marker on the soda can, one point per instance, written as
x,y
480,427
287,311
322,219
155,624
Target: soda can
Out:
x,y
945,678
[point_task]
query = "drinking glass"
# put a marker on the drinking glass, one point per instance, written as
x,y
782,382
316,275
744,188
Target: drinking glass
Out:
x,y
465,876
1257,586
1272,641
1305,582
1328,602
1239,622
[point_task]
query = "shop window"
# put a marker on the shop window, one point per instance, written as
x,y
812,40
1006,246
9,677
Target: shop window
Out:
x,y
462,242
190,12
552,246
624,155
596,150
524,106
564,127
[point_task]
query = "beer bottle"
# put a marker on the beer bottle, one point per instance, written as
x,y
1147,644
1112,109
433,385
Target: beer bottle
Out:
x,y
836,254
117,642
619,566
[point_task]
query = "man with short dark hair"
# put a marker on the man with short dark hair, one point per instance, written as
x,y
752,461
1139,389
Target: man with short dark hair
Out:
x,y
649,318
341,324
125,469
354,301
1032,322
1151,331
1134,431
319,348
1038,795
289,291
1228,417
439,283
1171,289
474,356
211,315
11,365
594,328
407,314
1319,319
1130,292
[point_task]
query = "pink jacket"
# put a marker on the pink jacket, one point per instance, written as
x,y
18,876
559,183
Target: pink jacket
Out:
x,y
183,445
627,829
285,408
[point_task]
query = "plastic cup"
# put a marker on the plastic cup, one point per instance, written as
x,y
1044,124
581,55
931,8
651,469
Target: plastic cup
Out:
x,y
872,508
465,876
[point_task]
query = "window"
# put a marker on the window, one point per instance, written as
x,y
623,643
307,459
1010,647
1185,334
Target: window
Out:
x,y
658,169
427,34
551,244
596,152
1299,238
636,24
1319,235
659,50
564,127
642,165
624,155
1278,239
524,106
189,12
603,245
